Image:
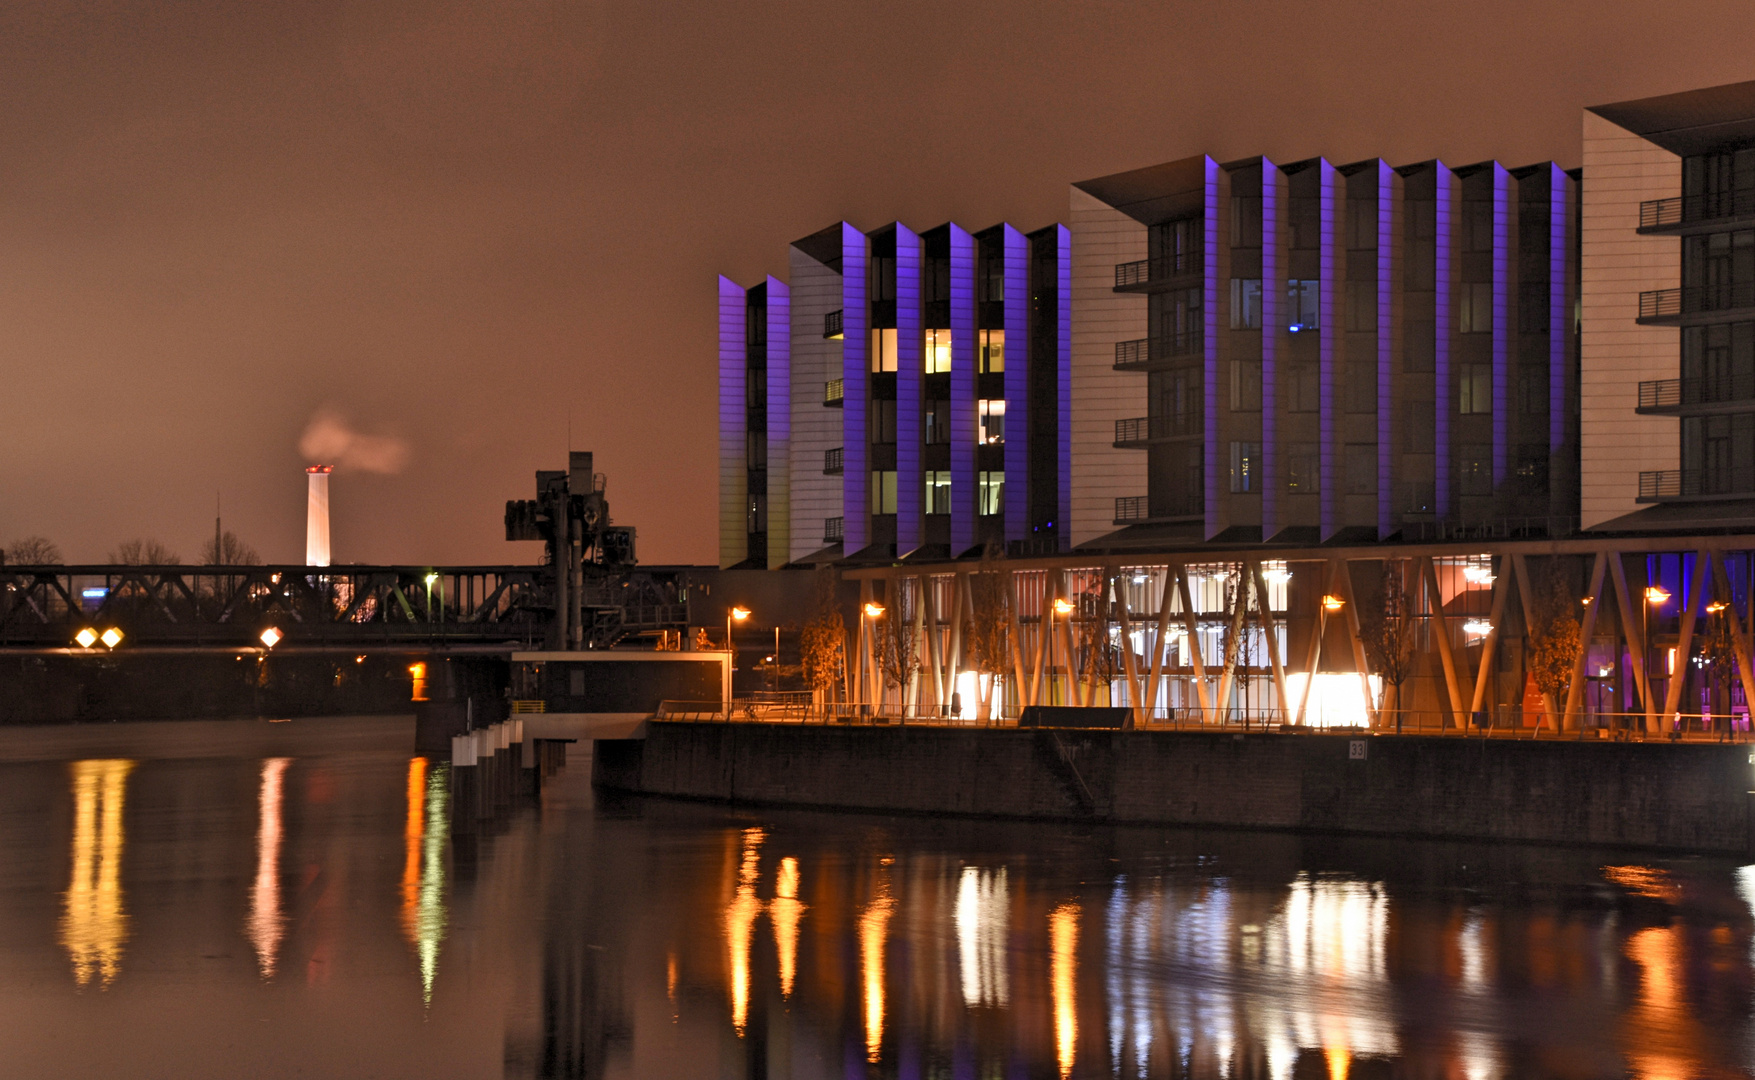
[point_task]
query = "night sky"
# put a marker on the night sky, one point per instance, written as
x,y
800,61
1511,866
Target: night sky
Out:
x,y
458,228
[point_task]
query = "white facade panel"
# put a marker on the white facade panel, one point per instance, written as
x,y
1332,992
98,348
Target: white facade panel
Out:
x,y
816,429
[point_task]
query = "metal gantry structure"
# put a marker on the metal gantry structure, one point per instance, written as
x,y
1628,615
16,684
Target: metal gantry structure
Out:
x,y
339,607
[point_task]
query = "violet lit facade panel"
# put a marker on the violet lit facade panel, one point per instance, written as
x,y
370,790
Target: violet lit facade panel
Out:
x,y
733,428
910,402
1016,253
779,392
963,381
856,385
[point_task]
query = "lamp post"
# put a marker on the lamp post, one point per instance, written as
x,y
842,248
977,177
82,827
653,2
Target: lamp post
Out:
x,y
1654,594
736,613
873,611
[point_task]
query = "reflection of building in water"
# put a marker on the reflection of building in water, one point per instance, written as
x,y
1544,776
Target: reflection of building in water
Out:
x,y
982,909
874,924
1063,935
93,922
266,925
423,867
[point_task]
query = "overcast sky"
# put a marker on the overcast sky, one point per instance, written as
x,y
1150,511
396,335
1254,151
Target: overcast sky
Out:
x,y
471,226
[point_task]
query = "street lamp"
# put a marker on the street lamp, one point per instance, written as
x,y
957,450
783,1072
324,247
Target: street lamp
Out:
x,y
271,637
1654,594
1063,606
111,638
1331,602
87,637
874,610
737,613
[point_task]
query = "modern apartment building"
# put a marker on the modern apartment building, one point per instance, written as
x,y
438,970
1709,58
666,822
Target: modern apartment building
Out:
x,y
903,395
1310,352
1668,269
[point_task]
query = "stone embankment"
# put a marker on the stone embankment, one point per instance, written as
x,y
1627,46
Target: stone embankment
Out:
x,y
1683,797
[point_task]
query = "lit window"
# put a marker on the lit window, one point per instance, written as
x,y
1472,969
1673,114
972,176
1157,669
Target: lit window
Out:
x,y
990,421
1245,467
990,493
938,492
1246,303
1303,299
883,349
938,352
992,344
883,491
1475,389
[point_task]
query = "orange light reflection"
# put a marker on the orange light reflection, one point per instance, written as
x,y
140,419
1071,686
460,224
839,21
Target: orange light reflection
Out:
x,y
785,911
266,924
740,919
874,923
94,924
1063,936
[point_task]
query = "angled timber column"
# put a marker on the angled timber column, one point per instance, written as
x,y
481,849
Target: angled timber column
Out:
x,y
1166,590
1745,670
1441,638
1233,646
1270,631
1017,383
1350,611
963,502
921,584
1075,680
1314,657
863,645
1019,668
856,388
1593,601
1501,587
934,654
910,394
1633,628
1191,626
1685,639
1130,667
1527,596
1044,636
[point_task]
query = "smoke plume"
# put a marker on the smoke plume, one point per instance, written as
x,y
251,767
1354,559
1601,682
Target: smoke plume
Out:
x,y
330,440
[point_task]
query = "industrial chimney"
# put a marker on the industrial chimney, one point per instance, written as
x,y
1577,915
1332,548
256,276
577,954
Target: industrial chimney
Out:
x,y
317,516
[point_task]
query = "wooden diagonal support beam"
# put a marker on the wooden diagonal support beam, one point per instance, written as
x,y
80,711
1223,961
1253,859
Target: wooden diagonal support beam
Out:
x,y
1587,627
1129,666
1739,644
1501,589
1634,631
1191,624
1315,654
1685,639
1526,594
1441,638
1351,613
1159,650
1270,632
1233,646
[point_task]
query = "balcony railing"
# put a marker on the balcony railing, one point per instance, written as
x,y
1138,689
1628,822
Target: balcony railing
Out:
x,y
1676,303
1696,483
1130,275
1143,352
832,530
1690,209
1141,429
834,393
1137,509
1664,394
832,461
832,324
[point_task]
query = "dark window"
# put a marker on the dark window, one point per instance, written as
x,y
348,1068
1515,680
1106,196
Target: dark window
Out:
x,y
1303,388
1477,226
1532,390
1532,307
1246,221
1303,468
938,422
1474,395
1359,461
1174,247
1361,224
882,421
1475,469
1362,306
1361,390
1246,303
1475,307
1419,428
1246,386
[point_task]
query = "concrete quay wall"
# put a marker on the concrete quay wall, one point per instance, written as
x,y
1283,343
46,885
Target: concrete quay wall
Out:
x,y
1686,797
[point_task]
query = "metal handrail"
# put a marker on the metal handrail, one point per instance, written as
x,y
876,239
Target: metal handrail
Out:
x,y
1146,271
833,530
1688,209
1695,483
832,324
1669,303
1676,393
1141,352
1139,429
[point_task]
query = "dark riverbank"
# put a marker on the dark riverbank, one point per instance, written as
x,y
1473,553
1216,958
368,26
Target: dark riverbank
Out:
x,y
1687,797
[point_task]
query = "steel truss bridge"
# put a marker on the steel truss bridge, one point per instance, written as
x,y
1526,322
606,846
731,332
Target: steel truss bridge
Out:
x,y
339,608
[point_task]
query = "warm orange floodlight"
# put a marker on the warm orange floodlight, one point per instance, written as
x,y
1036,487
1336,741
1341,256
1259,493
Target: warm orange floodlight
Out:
x,y
1331,602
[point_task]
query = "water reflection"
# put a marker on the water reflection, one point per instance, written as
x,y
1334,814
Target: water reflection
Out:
x,y
425,831
265,924
982,907
94,924
786,911
740,921
1063,930
874,923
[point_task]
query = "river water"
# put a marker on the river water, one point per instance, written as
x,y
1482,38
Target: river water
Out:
x,y
251,899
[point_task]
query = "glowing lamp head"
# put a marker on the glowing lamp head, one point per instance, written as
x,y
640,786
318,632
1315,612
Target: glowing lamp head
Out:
x,y
87,637
1656,595
111,638
430,579
740,613
874,611
1478,627
271,637
1062,606
1276,572
1331,602
1715,607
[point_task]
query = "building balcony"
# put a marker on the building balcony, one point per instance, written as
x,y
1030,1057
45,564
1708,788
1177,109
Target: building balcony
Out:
x,y
1143,431
1696,397
1696,305
1687,214
1697,485
1149,275
832,533
832,324
832,461
1145,354
834,393
1144,510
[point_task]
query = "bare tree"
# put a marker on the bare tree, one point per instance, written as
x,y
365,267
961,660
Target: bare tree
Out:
x,y
1718,653
144,553
990,626
225,549
893,642
33,551
1390,631
822,644
1099,659
1555,641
